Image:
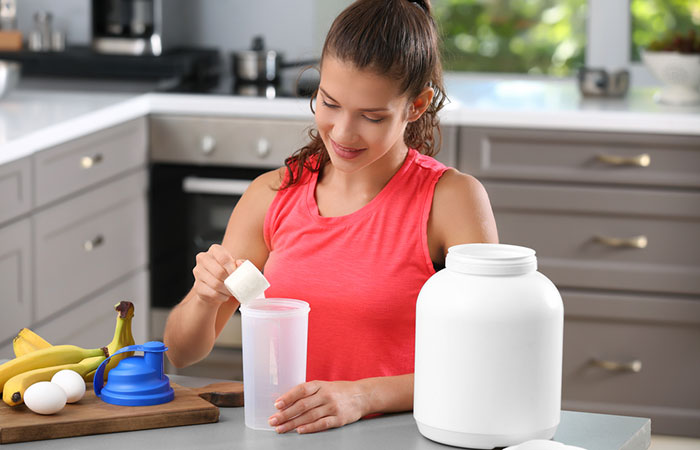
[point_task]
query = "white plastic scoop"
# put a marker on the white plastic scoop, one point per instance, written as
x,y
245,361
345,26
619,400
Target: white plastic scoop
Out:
x,y
246,283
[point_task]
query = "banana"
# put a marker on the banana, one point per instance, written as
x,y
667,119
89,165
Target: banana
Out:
x,y
122,337
28,341
47,357
13,392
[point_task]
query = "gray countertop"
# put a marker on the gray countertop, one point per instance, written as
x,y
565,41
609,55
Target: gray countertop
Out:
x,y
393,431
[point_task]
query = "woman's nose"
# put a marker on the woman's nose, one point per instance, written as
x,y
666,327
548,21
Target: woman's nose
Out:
x,y
344,129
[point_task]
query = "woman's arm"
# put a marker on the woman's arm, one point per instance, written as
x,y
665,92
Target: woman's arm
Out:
x,y
196,322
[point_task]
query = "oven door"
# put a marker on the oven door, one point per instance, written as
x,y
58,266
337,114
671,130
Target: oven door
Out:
x,y
190,209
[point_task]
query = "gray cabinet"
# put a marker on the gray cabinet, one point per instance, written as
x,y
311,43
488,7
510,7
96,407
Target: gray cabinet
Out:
x,y
15,277
615,220
66,252
103,235
76,165
90,323
15,189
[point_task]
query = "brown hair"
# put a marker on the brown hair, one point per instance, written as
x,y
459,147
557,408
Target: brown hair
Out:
x,y
395,38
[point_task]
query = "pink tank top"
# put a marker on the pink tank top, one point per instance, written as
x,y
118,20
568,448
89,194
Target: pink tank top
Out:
x,y
360,273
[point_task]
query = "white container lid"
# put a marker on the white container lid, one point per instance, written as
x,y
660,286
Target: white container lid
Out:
x,y
273,308
491,259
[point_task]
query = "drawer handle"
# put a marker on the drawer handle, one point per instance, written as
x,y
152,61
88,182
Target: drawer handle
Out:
x,y
633,242
642,160
87,162
92,244
614,366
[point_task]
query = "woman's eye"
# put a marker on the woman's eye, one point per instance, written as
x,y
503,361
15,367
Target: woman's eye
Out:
x,y
373,120
325,103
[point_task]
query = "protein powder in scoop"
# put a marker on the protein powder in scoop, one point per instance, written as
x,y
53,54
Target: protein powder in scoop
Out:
x,y
246,283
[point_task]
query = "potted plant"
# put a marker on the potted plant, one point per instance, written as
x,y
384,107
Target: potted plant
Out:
x,y
675,61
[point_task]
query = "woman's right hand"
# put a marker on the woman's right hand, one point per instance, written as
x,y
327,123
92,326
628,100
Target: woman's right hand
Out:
x,y
212,268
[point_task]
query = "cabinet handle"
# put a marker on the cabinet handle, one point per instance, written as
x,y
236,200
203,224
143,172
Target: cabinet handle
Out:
x,y
642,160
87,162
614,366
633,242
92,244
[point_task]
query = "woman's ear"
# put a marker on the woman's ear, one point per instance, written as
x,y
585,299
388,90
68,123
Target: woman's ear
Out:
x,y
419,104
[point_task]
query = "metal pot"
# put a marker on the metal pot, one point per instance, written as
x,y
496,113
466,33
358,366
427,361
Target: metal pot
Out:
x,y
260,66
256,65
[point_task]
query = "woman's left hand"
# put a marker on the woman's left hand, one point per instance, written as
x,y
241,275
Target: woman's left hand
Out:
x,y
319,405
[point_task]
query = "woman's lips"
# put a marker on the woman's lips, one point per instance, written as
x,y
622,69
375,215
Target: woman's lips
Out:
x,y
346,152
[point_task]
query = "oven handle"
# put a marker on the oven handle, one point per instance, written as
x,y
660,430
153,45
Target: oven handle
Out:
x,y
217,186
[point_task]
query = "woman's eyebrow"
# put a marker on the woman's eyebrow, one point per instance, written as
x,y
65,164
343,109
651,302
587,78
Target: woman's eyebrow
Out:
x,y
326,94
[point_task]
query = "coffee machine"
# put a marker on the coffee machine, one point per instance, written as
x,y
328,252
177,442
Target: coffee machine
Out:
x,y
137,27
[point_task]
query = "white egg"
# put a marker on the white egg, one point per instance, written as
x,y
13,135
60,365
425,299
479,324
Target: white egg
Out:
x,y
45,397
72,383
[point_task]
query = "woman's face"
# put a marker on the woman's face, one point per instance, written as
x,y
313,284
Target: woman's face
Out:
x,y
359,115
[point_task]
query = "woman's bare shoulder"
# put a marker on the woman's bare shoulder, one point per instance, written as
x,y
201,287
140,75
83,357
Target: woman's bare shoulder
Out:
x,y
462,211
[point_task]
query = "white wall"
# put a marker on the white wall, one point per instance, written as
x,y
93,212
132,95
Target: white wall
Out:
x,y
295,27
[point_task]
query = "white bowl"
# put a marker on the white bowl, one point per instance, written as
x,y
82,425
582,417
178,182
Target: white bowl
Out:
x,y
680,73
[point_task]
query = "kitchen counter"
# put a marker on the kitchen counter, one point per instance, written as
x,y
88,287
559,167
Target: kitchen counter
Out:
x,y
32,119
394,431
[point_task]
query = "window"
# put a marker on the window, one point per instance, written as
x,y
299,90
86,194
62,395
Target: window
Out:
x,y
521,36
556,37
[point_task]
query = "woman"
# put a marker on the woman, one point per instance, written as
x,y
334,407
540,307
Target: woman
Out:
x,y
354,224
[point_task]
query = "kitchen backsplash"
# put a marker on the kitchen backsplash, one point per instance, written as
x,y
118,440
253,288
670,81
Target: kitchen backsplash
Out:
x,y
296,28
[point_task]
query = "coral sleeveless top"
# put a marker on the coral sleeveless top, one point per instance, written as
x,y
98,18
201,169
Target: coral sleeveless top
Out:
x,y
360,273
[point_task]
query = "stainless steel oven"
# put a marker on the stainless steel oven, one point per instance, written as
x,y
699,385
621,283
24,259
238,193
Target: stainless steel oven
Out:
x,y
200,167
190,208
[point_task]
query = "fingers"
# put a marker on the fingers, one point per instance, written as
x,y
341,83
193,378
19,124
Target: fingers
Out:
x,y
212,268
223,257
297,408
314,420
296,393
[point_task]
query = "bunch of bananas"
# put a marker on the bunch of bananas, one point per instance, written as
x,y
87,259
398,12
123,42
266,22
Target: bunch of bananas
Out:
x,y
37,360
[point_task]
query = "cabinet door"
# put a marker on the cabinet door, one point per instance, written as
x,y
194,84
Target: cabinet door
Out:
x,y
15,278
88,242
633,355
15,189
603,238
91,323
90,160
581,157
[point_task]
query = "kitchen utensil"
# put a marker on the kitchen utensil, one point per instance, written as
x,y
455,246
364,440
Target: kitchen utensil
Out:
x,y
274,335
137,380
541,444
259,65
42,25
680,74
9,76
93,416
488,360
600,83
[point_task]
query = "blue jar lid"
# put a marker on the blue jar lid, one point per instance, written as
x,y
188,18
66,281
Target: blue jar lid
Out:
x,y
137,380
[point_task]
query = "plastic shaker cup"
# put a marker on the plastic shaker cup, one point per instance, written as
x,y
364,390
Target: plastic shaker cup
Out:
x,y
274,333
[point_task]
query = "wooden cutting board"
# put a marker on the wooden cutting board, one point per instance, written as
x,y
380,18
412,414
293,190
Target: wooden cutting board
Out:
x,y
93,416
